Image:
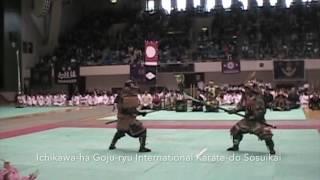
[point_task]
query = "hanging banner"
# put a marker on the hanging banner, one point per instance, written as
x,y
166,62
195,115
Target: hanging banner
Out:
x,y
151,53
289,70
150,75
66,74
230,67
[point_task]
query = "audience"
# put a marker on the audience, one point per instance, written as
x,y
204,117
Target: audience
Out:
x,y
260,33
276,98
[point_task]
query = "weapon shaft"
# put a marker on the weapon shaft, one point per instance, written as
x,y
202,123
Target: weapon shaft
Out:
x,y
226,110
204,103
113,121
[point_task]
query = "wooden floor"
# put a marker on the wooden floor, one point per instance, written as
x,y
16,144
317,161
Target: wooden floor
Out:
x,y
312,115
87,117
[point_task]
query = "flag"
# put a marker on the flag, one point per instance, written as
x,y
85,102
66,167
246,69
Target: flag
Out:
x,y
230,67
151,75
66,74
151,53
289,70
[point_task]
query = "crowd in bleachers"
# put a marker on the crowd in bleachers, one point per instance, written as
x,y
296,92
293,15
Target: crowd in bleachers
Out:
x,y
259,33
263,33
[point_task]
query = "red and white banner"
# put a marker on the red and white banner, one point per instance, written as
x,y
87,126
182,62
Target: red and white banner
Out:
x,y
151,53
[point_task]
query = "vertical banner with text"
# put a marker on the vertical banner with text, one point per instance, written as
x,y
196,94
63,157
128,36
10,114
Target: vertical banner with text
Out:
x,y
66,74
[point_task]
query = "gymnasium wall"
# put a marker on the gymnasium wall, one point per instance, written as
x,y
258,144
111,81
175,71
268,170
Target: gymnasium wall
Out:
x,y
1,44
106,77
11,32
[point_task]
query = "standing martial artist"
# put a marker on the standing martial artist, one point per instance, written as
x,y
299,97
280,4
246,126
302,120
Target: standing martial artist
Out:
x,y
127,104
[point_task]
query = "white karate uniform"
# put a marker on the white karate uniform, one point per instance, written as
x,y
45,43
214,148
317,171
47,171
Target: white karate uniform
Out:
x,y
84,100
40,100
34,101
29,100
304,99
105,99
22,99
48,100
146,100
75,100
112,98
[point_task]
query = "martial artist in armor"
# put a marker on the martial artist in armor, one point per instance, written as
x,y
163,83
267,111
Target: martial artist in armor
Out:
x,y
254,121
127,104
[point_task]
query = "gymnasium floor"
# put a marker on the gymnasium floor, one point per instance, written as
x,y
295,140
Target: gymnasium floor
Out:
x,y
296,114
72,145
9,111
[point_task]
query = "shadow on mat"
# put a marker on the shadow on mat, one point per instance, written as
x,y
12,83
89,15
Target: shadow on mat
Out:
x,y
253,153
118,151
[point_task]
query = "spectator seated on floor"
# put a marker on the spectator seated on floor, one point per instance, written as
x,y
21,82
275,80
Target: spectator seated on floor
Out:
x,y
304,99
156,102
198,106
293,99
212,104
314,102
181,102
146,100
21,100
281,102
170,101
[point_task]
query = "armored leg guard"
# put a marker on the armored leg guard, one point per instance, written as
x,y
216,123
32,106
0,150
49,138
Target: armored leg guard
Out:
x,y
270,145
142,140
236,141
116,137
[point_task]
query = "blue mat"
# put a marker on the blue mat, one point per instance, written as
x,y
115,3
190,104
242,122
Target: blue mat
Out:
x,y
81,154
296,114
